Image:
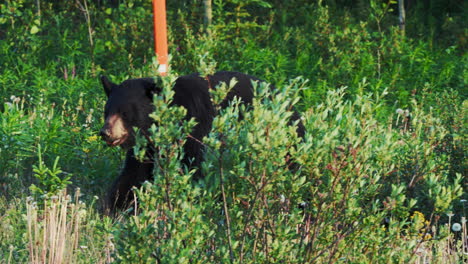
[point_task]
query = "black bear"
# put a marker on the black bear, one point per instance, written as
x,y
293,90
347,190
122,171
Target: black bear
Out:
x,y
129,105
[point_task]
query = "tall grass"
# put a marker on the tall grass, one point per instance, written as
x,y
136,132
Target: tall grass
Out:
x,y
54,238
60,229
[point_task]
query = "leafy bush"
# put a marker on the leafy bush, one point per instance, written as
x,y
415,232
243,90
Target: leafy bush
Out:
x,y
348,195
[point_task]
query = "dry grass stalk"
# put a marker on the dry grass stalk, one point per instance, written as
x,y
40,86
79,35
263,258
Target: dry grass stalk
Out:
x,y
53,231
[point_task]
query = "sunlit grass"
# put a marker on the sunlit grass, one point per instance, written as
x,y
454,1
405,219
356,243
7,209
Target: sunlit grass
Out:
x,y
61,229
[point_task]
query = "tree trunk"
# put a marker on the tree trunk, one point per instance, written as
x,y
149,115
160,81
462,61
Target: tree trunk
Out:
x,y
208,16
401,10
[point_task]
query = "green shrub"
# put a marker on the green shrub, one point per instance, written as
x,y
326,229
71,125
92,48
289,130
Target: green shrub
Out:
x,y
352,191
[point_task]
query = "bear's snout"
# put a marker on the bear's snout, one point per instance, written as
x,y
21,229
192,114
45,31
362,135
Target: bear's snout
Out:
x,y
114,132
105,134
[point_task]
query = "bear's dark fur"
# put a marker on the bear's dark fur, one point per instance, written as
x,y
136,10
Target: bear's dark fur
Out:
x,y
129,105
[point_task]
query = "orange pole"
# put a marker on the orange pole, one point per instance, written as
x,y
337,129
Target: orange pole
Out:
x,y
160,35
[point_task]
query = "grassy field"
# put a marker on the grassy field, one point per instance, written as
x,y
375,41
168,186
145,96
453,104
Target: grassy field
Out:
x,y
382,168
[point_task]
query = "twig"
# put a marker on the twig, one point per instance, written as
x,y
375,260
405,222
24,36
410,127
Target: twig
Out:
x,y
226,212
248,219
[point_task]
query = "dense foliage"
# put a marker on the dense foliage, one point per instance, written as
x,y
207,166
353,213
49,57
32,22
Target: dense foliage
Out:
x,y
380,176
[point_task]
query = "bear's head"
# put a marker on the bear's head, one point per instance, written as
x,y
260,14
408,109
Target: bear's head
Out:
x,y
128,105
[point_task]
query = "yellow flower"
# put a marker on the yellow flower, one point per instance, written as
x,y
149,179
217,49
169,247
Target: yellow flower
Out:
x,y
92,138
418,215
419,222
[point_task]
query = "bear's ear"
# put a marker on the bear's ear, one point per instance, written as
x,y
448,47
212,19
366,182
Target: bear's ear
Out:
x,y
107,84
151,87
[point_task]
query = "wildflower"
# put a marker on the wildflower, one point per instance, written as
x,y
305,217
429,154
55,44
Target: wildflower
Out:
x,y
456,227
402,112
282,198
82,213
427,236
417,214
89,118
92,138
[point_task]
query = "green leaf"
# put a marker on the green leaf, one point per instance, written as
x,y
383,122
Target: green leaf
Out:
x,y
34,29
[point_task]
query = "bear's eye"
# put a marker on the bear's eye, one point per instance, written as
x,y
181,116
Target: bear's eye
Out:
x,y
124,114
